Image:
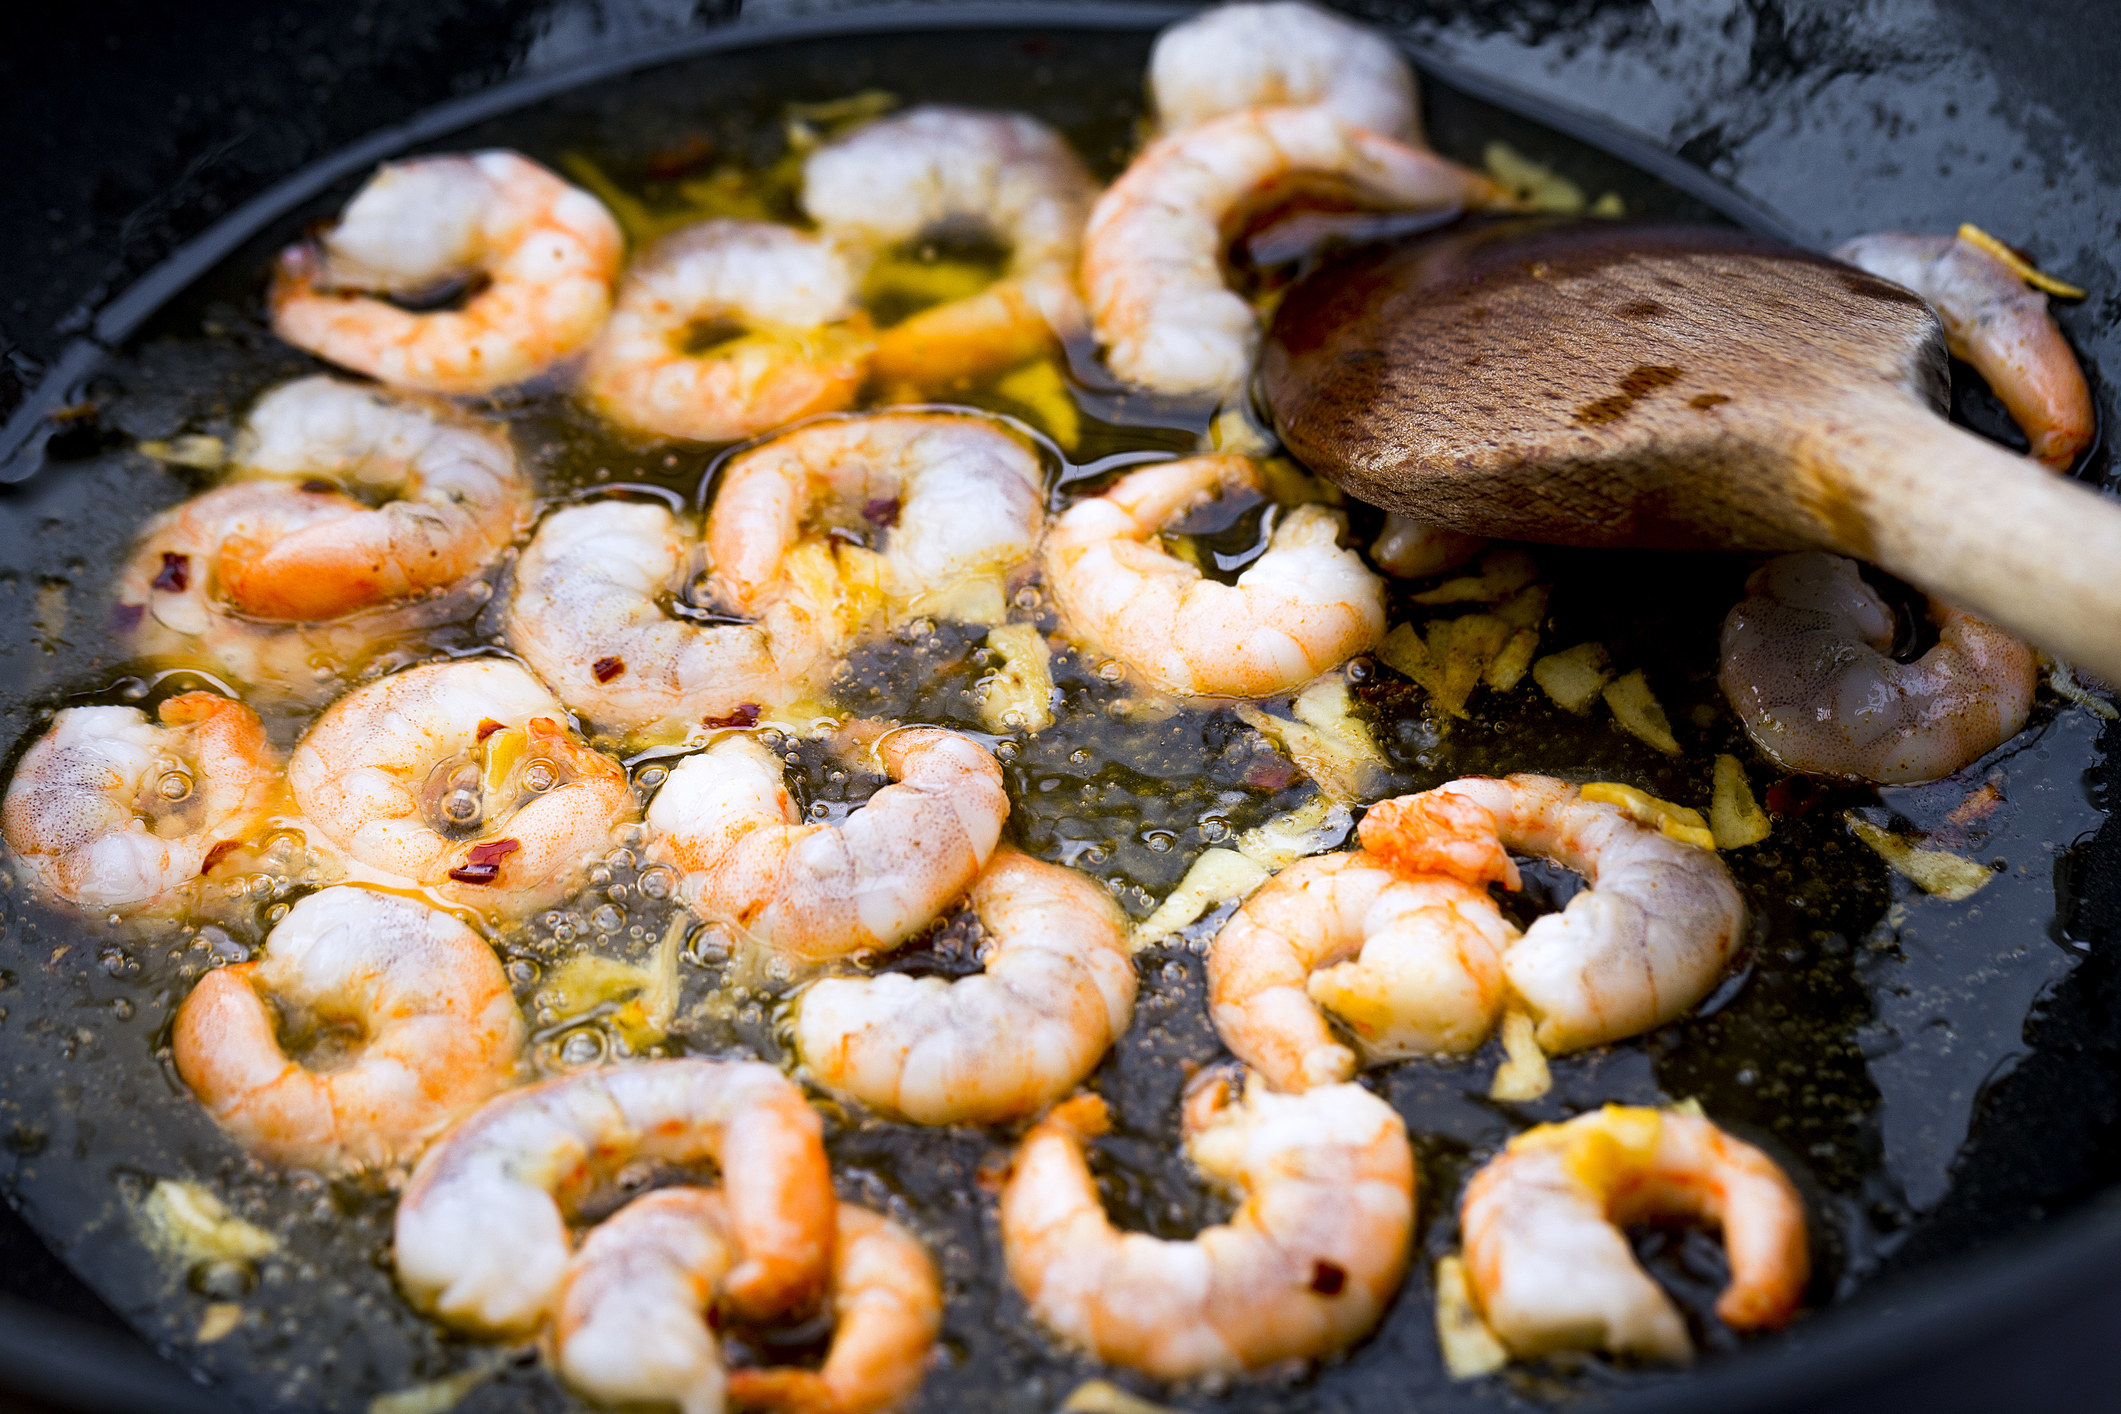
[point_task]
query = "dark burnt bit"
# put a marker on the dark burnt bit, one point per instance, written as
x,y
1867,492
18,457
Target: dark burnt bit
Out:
x,y
1641,381
318,486
1328,1278
221,850
882,512
487,727
605,669
744,714
175,575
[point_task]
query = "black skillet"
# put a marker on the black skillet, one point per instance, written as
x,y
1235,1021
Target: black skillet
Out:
x,y
2018,1324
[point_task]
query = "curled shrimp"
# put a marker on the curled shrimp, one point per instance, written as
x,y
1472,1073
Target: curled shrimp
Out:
x,y
1300,609
630,1324
1260,55
1411,964
778,306
110,809
1807,665
1992,321
547,252
1412,549
810,893
460,778
481,1237
438,1032
1302,1269
932,168
1152,254
1551,1268
957,500
1057,989
1644,942
588,614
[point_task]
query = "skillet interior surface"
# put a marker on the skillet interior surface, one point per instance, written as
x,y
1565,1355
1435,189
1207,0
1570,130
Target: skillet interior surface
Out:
x,y
1871,1032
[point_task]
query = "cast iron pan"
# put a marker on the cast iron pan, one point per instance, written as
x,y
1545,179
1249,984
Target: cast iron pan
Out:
x,y
1948,1325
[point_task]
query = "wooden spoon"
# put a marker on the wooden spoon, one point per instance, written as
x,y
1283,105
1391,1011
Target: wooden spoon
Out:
x,y
1615,384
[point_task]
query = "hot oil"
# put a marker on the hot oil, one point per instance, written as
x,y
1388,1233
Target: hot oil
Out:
x,y
1842,1040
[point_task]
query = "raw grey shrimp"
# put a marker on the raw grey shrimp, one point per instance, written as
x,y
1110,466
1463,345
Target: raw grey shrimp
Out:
x,y
110,809
1299,610
1807,665
780,304
547,251
1552,1269
1056,991
809,893
481,1239
438,1032
460,778
1249,55
1303,1268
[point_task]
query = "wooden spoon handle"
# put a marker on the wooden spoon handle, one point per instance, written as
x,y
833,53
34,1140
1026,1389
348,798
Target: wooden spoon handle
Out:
x,y
1960,517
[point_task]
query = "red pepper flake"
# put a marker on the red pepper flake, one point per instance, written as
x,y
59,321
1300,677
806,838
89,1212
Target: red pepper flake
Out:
x,y
1274,772
126,617
487,727
175,574
606,669
482,862
318,486
1327,1278
1794,797
881,512
746,714
686,157
475,873
218,853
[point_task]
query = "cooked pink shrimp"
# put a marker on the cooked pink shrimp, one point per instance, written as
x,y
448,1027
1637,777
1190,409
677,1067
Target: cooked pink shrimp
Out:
x,y
779,305
807,893
1259,55
437,1032
1992,321
1807,666
460,779
1412,549
1552,1269
548,253
1152,255
1302,608
957,498
1416,969
588,614
110,810
1644,942
481,1237
1302,1269
933,168
1057,991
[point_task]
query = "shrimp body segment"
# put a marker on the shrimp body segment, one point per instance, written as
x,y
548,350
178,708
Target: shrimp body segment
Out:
x,y
112,810
1807,664
1057,990
460,778
1994,322
810,893
548,252
1152,255
1303,1269
588,615
1410,964
1300,609
438,1023
481,1237
1552,1268
782,299
1648,938
1249,55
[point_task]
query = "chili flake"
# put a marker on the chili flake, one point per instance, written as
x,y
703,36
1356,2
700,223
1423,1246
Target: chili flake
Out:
x,y
606,669
175,574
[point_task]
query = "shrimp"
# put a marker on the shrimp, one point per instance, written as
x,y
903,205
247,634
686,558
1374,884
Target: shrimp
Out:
x,y
1260,55
111,810
957,499
1552,1269
1057,990
779,307
1992,321
629,1326
1644,942
1807,665
481,1237
809,894
547,254
1303,1269
1152,254
587,614
1299,610
1412,549
935,167
1422,976
459,778
435,1022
